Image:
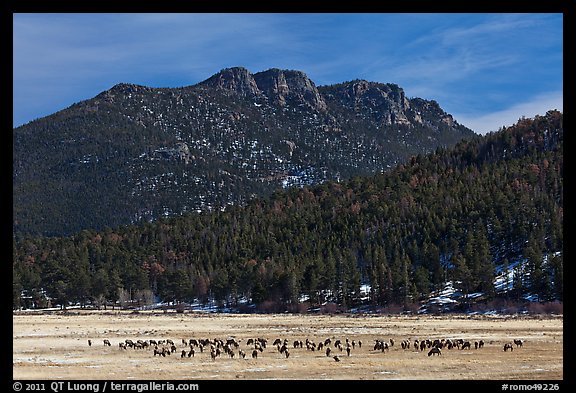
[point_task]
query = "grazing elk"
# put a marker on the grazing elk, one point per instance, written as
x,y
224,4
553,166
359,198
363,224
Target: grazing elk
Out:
x,y
107,343
336,358
422,345
466,345
255,354
435,351
405,344
380,345
161,352
519,343
508,346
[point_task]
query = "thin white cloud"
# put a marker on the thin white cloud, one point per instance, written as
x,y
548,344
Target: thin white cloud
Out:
x,y
537,105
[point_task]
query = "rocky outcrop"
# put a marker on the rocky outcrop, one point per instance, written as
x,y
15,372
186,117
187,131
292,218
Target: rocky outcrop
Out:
x,y
282,86
279,87
236,80
385,103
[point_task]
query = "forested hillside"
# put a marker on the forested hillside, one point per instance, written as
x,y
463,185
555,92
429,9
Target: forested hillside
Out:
x,y
455,214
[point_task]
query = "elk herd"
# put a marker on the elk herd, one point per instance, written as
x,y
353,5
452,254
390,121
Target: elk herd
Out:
x,y
332,348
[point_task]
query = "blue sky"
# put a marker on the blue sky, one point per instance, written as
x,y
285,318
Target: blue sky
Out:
x,y
487,70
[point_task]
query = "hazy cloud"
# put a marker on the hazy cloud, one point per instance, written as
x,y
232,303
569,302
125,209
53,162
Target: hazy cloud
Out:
x,y
538,105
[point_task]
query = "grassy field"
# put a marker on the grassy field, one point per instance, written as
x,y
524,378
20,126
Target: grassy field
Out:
x,y
55,346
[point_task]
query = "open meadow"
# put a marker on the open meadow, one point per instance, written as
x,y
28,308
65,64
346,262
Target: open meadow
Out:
x,y
52,346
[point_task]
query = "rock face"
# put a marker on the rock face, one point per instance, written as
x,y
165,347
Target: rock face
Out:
x,y
385,103
278,86
237,80
138,153
281,86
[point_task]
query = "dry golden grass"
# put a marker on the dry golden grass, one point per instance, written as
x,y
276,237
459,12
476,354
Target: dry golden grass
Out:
x,y
55,346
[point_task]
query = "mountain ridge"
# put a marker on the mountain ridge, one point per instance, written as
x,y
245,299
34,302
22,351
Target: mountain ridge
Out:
x,y
135,152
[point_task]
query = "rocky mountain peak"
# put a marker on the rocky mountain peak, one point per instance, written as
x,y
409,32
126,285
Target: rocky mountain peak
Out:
x,y
361,91
384,102
121,90
236,79
281,86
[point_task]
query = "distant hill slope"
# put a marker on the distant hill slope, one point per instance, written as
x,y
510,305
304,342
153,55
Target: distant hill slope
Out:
x,y
138,153
464,215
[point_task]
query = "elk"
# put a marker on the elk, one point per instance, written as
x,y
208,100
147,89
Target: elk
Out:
x,y
519,343
435,351
422,345
107,343
380,345
508,346
160,352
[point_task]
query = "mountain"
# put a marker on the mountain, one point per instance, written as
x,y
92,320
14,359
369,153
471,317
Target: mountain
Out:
x,y
483,218
137,153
